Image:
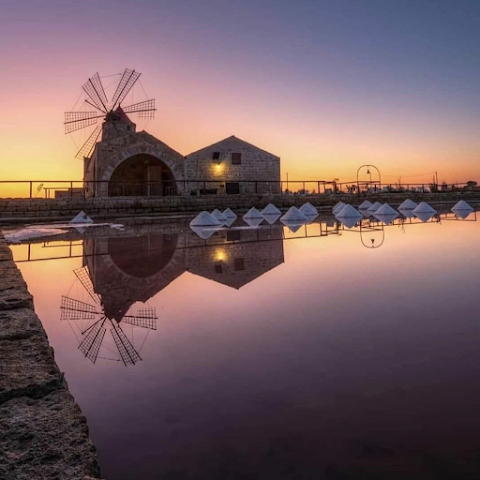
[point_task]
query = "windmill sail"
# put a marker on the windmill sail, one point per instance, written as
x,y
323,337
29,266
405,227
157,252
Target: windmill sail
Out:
x,y
77,120
72,309
144,109
94,89
127,81
86,149
125,348
83,275
145,318
90,345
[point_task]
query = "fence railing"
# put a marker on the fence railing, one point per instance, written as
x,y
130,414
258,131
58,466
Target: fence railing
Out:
x,y
102,188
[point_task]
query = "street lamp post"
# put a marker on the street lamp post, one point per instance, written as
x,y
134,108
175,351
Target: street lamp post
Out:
x,y
368,167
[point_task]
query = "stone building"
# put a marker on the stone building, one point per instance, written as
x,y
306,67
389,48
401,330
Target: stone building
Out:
x,y
130,163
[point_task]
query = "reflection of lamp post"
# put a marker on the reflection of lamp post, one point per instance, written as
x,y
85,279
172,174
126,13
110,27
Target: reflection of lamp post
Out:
x,y
368,167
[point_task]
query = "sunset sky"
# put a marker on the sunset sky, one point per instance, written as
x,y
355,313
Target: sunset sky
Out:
x,y
326,85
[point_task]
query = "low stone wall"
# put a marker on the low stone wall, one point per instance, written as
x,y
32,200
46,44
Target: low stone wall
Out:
x,y
43,431
24,210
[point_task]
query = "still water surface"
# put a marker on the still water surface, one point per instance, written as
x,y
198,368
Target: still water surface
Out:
x,y
274,355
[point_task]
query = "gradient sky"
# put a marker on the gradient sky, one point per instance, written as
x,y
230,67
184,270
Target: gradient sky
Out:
x,y
326,85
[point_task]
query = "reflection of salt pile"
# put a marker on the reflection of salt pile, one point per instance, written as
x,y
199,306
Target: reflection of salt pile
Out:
x,y
204,232
424,216
205,219
253,213
365,205
271,209
30,233
230,221
386,219
338,207
308,210
374,207
407,213
229,213
82,217
292,226
253,221
386,209
424,207
294,215
349,222
407,205
271,219
462,206
348,212
219,216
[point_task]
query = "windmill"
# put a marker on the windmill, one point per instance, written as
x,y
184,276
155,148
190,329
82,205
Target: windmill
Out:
x,y
110,111
94,322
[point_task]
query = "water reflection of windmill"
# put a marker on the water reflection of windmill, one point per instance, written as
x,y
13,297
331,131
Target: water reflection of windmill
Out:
x,y
93,322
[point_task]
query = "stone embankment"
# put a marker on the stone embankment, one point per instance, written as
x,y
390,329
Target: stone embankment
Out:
x,y
43,433
49,209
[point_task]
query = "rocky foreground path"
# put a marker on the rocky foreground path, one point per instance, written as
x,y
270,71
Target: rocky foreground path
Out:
x,y
43,433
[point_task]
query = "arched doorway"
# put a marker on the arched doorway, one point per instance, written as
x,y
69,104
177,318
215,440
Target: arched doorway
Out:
x,y
142,175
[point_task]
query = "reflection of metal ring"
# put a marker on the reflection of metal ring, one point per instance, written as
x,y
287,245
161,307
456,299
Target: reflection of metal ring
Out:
x,y
372,240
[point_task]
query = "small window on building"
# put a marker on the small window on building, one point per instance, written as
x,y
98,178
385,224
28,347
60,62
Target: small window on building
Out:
x,y
239,264
216,156
218,268
236,158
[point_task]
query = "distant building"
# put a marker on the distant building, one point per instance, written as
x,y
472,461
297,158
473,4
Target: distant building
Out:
x,y
130,163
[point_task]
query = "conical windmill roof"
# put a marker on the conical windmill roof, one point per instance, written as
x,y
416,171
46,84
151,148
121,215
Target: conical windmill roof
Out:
x,y
205,219
82,217
338,207
308,209
423,207
349,212
407,205
271,209
386,209
365,205
229,213
294,215
375,207
462,205
219,216
253,213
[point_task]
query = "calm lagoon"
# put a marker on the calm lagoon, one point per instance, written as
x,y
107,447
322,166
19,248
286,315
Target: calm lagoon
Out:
x,y
319,354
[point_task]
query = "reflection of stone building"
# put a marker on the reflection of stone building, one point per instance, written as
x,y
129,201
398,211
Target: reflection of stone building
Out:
x,y
128,269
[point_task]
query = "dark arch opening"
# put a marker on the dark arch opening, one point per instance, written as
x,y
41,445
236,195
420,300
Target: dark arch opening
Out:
x,y
142,175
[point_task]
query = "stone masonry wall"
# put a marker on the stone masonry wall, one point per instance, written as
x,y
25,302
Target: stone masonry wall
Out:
x,y
256,165
43,431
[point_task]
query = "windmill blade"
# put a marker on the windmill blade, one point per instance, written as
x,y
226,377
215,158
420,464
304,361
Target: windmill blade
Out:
x,y
83,275
127,81
90,345
94,89
72,309
128,353
78,120
145,318
144,109
87,148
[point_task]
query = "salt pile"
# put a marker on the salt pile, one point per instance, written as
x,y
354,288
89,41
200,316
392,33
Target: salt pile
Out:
x,y
204,219
308,210
423,207
253,213
462,205
338,207
424,216
407,205
365,205
204,232
386,209
463,213
348,212
294,215
271,219
375,207
271,209
219,216
253,222
82,217
31,233
229,213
